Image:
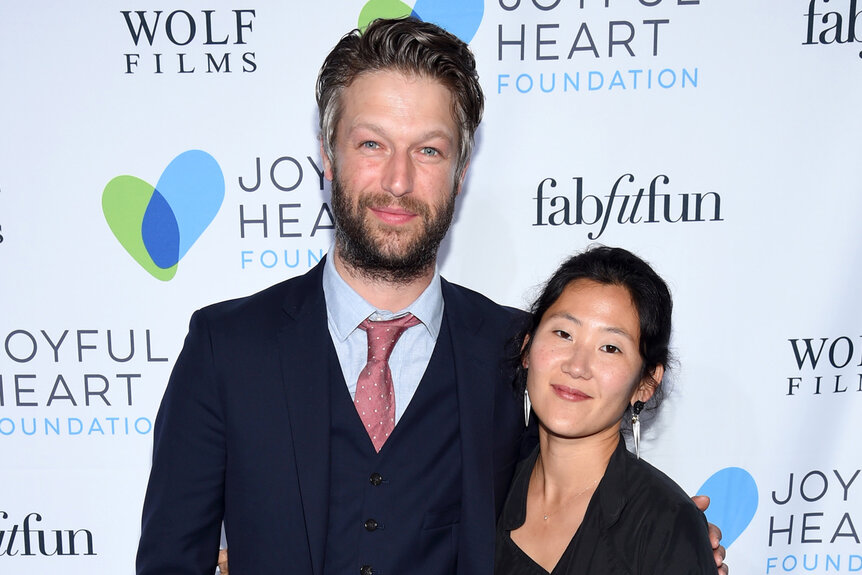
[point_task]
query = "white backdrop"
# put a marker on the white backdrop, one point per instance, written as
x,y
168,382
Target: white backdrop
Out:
x,y
729,128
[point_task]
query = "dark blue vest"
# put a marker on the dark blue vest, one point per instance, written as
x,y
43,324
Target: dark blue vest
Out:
x,y
396,512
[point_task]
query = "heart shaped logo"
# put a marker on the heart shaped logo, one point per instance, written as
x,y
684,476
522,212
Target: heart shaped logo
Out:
x,y
157,225
733,501
458,17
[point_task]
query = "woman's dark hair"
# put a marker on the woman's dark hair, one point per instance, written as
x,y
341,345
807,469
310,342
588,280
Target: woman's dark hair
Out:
x,y
612,266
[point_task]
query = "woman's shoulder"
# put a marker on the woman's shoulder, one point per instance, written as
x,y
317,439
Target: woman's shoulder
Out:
x,y
645,482
651,523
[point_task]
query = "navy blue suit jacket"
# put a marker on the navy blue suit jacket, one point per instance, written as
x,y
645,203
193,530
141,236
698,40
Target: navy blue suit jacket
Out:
x,y
243,434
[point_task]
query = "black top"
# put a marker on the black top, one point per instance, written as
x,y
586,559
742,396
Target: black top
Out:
x,y
638,521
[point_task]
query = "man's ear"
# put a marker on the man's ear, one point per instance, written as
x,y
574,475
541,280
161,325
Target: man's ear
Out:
x,y
327,162
461,179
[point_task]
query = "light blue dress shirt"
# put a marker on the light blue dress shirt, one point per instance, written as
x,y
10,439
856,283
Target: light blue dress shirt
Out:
x,y
346,309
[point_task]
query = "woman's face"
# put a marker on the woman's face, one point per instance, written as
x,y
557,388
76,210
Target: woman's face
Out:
x,y
584,364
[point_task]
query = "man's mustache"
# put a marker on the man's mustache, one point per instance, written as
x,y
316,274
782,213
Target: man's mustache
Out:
x,y
405,203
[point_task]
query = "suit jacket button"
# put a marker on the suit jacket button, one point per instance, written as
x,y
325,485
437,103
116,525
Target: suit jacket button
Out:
x,y
366,570
375,479
370,525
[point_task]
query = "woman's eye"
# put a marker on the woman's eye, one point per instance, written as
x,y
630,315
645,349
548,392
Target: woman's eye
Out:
x,y
611,348
562,334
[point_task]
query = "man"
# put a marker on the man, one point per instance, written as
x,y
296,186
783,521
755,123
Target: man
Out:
x,y
272,418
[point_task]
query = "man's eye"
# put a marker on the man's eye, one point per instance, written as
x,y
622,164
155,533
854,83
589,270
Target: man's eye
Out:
x,y
429,151
370,145
611,348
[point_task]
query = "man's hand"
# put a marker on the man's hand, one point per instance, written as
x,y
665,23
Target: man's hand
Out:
x,y
222,561
702,502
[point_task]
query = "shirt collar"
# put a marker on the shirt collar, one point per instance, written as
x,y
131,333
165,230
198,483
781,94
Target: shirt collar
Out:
x,y
346,309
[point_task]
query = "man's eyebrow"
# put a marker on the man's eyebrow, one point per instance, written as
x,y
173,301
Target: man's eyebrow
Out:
x,y
378,129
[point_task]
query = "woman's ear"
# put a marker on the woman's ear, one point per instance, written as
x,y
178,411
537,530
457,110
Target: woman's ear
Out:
x,y
525,359
648,385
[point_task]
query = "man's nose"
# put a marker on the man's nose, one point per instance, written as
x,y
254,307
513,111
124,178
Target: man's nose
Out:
x,y
398,174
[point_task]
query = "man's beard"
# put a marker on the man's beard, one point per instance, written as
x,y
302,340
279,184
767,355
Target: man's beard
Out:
x,y
382,254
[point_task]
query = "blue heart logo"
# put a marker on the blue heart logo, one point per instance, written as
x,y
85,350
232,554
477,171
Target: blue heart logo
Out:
x,y
458,17
733,501
158,224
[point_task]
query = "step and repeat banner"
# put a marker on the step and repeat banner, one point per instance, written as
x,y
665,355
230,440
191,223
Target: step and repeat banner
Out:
x,y
717,139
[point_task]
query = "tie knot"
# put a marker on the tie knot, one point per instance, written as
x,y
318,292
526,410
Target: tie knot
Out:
x,y
382,335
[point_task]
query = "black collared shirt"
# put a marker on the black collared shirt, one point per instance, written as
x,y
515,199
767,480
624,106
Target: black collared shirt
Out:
x,y
638,521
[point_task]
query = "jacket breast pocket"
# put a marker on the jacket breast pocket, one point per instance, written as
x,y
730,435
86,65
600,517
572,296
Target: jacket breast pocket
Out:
x,y
442,517
440,539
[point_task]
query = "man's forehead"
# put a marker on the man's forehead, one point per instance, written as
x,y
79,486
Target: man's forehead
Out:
x,y
394,90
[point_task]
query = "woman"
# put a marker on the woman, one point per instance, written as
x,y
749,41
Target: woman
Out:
x,y
596,348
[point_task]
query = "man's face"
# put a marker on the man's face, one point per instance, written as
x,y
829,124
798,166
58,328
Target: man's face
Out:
x,y
393,175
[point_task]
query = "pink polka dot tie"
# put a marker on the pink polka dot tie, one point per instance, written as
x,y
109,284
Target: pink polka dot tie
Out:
x,y
375,398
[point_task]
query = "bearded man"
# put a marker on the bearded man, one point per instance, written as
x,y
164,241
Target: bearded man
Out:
x,y
358,418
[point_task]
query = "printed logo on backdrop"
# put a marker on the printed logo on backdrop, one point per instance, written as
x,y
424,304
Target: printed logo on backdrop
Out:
x,y
282,214
278,226
157,225
80,383
833,24
592,46
814,522
29,537
813,518
825,367
627,201
733,500
189,41
85,382
458,17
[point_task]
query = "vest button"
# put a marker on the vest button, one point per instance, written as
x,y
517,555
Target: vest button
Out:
x,y
366,570
375,479
371,525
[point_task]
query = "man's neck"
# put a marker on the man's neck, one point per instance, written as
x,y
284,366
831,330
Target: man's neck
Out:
x,y
382,294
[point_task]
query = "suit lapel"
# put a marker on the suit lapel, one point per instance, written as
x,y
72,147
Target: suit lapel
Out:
x,y
476,375
304,347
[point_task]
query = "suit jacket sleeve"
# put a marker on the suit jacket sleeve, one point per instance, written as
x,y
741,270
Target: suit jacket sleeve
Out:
x,y
184,504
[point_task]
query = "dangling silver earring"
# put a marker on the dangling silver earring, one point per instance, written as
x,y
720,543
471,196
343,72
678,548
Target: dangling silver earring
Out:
x,y
637,407
527,408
